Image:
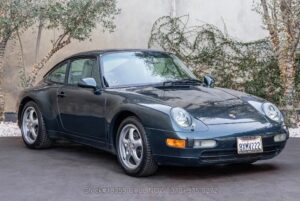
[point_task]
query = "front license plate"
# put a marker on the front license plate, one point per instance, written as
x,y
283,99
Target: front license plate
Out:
x,y
249,145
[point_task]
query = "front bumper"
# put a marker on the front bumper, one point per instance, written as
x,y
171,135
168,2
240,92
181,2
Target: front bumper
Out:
x,y
224,153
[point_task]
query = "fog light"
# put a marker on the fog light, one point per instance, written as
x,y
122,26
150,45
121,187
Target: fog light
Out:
x,y
205,143
280,137
176,143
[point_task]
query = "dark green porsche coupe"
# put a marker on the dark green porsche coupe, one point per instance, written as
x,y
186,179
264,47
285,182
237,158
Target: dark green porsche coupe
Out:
x,y
149,109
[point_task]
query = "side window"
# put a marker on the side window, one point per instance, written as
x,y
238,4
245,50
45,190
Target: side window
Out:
x,y
59,74
83,68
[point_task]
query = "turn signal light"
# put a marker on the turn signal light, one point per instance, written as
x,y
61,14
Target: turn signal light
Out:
x,y
176,143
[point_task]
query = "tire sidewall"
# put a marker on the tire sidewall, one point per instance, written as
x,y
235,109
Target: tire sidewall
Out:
x,y
137,123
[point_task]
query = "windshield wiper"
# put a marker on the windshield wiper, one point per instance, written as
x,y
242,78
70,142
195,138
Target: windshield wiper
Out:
x,y
181,83
189,81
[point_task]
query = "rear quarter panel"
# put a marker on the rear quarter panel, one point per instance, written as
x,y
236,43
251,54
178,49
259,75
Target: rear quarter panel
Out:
x,y
44,95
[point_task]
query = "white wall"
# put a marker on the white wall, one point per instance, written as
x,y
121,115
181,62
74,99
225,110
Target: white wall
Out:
x,y
241,21
133,31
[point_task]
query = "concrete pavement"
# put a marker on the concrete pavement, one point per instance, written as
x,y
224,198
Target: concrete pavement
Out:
x,y
74,172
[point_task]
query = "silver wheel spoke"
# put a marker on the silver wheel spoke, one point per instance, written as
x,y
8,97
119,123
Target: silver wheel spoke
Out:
x,y
32,131
137,143
28,134
131,137
125,141
35,122
31,118
127,157
135,157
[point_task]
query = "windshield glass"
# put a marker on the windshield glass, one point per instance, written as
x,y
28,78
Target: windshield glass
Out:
x,y
138,68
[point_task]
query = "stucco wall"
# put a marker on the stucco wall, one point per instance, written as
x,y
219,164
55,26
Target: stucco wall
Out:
x,y
133,31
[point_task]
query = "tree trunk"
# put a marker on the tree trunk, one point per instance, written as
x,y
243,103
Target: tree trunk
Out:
x,y
2,51
38,40
23,78
37,67
287,66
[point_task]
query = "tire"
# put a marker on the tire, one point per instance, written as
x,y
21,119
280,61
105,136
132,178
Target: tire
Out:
x,y
33,127
138,146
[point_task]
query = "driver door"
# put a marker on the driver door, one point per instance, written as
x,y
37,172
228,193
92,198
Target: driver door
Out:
x,y
82,111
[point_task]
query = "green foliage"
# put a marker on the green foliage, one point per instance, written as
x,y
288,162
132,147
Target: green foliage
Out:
x,y
250,67
15,15
77,18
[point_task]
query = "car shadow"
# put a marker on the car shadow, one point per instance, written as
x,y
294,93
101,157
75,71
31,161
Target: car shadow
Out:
x,y
215,171
109,161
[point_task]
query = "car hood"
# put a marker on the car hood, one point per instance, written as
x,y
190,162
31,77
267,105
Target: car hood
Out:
x,y
210,105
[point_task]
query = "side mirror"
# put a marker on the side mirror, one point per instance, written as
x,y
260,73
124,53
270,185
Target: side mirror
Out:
x,y
91,83
88,83
209,81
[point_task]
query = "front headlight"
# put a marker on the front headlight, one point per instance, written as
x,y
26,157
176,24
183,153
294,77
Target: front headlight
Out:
x,y
181,117
272,112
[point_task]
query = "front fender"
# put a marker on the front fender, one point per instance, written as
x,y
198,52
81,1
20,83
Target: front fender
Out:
x,y
156,116
150,117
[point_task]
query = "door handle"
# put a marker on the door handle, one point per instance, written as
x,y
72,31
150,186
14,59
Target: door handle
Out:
x,y
61,94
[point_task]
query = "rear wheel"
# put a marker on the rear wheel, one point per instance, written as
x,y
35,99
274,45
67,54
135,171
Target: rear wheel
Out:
x,y
33,127
134,152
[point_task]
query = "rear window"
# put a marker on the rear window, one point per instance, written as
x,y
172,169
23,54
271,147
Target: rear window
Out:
x,y
59,74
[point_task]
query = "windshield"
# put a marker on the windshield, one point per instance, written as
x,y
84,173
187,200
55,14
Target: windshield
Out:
x,y
138,68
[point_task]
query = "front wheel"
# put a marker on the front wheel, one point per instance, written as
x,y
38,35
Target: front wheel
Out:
x,y
33,127
134,152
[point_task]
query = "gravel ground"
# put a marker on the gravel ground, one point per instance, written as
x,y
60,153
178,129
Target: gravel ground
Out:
x,y
11,129
295,132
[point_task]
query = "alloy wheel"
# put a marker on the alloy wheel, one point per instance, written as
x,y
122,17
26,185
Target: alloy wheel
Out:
x,y
30,125
130,146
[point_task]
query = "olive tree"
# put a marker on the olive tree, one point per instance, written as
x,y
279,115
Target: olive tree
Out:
x,y
282,20
75,19
15,15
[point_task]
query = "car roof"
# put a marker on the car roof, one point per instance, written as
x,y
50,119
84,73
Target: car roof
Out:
x,y
99,52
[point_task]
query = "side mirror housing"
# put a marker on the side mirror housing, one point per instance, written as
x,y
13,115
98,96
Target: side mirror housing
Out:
x,y
209,81
88,83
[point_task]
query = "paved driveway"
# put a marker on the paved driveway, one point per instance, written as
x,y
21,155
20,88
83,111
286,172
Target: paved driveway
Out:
x,y
73,172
